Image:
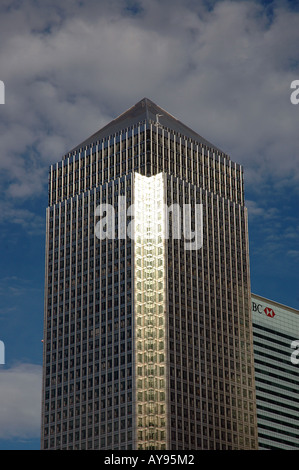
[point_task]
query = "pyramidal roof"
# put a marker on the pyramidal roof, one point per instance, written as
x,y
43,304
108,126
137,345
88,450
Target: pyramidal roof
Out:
x,y
144,110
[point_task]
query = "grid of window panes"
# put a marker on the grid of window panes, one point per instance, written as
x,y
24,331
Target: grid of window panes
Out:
x,y
88,343
212,397
71,370
147,150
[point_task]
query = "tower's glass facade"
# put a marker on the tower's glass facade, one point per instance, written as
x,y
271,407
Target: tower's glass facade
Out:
x,y
275,330
147,344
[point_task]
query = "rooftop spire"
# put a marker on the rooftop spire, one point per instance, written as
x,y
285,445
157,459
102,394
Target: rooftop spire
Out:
x,y
145,110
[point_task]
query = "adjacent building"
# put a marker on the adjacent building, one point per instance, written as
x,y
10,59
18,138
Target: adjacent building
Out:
x,y
148,340
276,342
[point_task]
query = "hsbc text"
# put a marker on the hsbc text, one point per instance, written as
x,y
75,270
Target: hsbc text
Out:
x,y
259,308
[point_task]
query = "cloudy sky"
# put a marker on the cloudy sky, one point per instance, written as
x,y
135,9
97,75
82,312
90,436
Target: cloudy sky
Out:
x,y
224,68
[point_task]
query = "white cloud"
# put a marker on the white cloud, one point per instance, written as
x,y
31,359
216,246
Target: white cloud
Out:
x,y
254,210
293,253
20,401
224,68
266,212
32,223
13,286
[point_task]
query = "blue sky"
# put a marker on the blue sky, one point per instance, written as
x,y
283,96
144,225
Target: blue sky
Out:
x,y
222,67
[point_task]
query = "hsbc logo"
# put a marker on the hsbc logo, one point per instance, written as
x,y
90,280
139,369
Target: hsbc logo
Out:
x,y
269,312
259,308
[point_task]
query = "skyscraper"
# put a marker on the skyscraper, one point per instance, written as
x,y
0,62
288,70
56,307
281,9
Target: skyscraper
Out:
x,y
147,339
276,343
